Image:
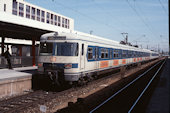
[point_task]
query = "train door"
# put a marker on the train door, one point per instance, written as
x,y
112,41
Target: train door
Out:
x,y
82,57
96,56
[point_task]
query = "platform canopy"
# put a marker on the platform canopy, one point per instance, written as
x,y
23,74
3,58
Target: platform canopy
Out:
x,y
20,32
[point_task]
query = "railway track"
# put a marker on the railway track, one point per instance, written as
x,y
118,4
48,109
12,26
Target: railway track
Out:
x,y
117,97
18,104
128,98
54,100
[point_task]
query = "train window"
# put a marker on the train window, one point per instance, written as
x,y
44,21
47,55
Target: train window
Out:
x,y
124,54
51,18
38,14
66,49
42,16
33,13
106,53
59,20
96,53
14,7
27,11
130,53
102,52
111,53
21,9
115,53
48,17
90,53
82,50
46,48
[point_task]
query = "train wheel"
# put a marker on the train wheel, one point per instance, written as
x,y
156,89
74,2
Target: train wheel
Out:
x,y
81,82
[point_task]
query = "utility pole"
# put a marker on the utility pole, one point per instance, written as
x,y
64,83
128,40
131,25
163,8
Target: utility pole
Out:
x,y
147,47
126,37
91,32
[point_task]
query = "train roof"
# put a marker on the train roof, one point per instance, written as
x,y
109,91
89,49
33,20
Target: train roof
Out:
x,y
92,38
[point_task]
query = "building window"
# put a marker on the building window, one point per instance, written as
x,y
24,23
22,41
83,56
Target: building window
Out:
x,y
4,7
68,24
55,20
33,13
38,14
14,8
27,11
42,16
90,53
59,21
63,22
51,18
48,17
21,9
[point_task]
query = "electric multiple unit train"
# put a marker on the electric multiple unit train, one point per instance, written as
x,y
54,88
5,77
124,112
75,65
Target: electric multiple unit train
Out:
x,y
74,56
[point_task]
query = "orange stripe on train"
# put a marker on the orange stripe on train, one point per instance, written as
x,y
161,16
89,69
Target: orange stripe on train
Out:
x,y
134,59
115,62
140,58
123,61
104,64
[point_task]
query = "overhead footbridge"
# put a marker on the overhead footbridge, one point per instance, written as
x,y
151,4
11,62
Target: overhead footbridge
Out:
x,y
22,20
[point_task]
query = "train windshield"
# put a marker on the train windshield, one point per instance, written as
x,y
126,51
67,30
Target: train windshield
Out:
x,y
66,49
59,49
46,48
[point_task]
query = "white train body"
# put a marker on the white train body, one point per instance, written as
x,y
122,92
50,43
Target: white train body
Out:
x,y
79,55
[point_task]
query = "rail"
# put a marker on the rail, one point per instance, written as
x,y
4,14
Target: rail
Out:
x,y
130,110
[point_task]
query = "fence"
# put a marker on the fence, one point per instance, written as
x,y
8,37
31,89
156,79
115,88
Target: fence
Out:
x,y
17,61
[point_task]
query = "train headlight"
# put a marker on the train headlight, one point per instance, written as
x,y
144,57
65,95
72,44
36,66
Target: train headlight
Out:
x,y
68,66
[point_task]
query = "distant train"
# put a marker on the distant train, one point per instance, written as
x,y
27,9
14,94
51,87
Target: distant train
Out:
x,y
73,57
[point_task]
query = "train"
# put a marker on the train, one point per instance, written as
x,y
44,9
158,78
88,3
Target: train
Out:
x,y
75,56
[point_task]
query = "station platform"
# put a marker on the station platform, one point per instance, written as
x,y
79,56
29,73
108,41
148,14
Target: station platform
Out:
x,y
159,102
16,81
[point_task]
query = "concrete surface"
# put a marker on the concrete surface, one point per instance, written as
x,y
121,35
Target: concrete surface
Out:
x,y
15,81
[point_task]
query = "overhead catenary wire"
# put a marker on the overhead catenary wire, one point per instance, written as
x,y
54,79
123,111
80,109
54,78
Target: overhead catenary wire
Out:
x,y
141,18
111,15
89,17
164,9
146,19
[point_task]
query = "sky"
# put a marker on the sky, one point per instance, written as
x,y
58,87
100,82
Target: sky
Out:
x,y
145,21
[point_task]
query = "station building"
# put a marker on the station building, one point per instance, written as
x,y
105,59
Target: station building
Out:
x,y
22,24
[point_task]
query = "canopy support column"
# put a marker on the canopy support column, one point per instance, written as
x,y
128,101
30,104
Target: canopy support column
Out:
x,y
33,52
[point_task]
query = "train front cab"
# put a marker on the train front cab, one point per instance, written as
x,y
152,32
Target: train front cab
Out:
x,y
60,60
